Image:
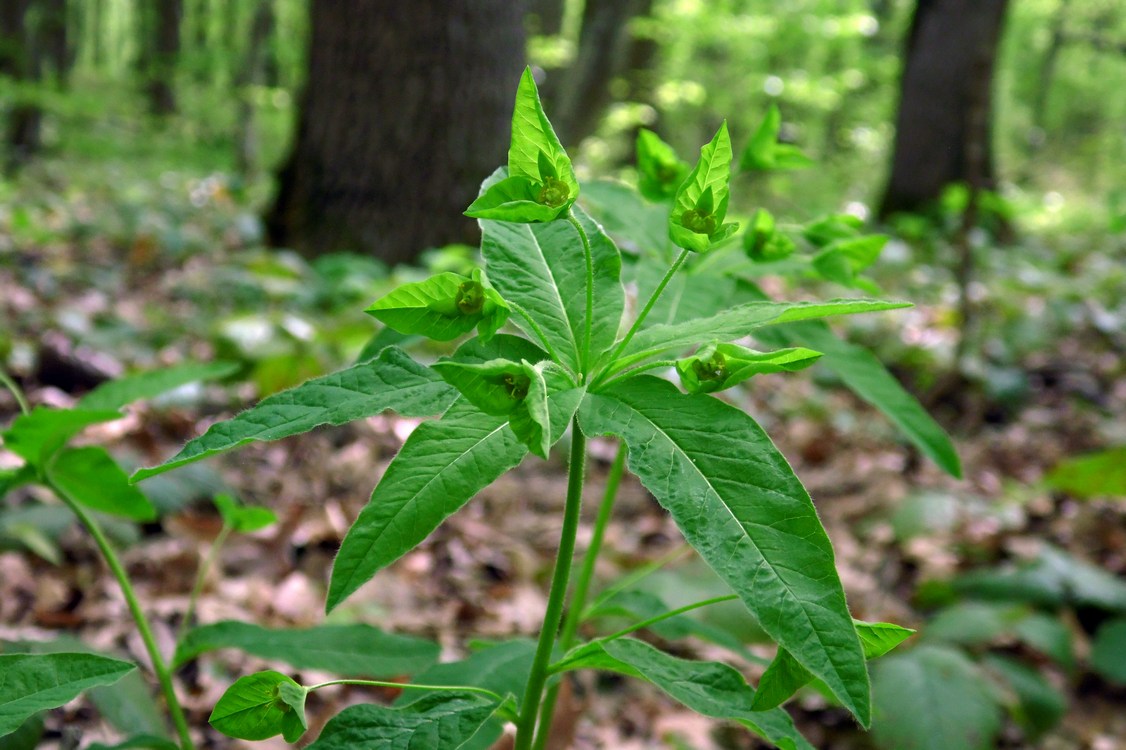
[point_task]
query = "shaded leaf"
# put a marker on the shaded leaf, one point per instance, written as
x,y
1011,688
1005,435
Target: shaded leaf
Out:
x,y
121,391
243,518
253,709
439,720
37,436
92,478
30,683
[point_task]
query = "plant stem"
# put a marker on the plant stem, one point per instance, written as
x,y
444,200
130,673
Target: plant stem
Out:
x,y
637,575
529,707
408,686
666,615
585,363
160,668
201,576
582,584
649,304
10,384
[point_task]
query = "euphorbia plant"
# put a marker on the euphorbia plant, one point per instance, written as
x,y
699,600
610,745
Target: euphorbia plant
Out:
x,y
555,274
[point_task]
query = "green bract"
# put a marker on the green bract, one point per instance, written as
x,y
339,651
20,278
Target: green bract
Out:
x,y
765,153
660,170
540,185
763,242
700,205
717,367
443,307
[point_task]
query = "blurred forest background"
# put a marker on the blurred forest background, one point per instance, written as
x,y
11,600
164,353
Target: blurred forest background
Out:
x,y
237,179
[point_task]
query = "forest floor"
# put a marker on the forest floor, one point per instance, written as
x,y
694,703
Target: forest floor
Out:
x,y
88,304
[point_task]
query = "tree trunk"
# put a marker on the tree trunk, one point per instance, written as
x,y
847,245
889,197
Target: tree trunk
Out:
x,y
943,126
19,61
160,45
406,110
605,51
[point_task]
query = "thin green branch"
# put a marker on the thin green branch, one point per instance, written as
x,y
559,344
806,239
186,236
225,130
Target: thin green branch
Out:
x,y
159,666
10,384
584,364
649,305
582,585
656,364
201,575
635,577
536,330
529,707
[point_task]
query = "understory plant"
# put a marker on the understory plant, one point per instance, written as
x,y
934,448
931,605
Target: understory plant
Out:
x,y
553,348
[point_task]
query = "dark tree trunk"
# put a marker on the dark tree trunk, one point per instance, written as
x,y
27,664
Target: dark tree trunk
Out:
x,y
18,60
55,45
406,110
943,127
160,30
605,51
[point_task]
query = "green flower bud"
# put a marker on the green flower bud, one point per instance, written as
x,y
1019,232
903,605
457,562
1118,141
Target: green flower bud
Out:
x,y
713,368
470,298
698,221
554,193
516,386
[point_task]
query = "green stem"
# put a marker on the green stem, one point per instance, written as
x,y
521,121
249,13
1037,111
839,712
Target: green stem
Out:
x,y
201,576
582,585
634,577
160,668
529,707
589,288
649,304
656,364
408,686
10,384
536,330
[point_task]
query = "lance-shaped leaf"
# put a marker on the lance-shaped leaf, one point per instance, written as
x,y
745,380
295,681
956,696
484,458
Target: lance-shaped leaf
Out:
x,y
765,153
867,377
353,650
444,721
785,676
696,221
37,436
707,687
30,683
535,151
540,271
92,478
660,170
439,468
117,393
442,307
717,367
256,708
736,322
737,501
390,381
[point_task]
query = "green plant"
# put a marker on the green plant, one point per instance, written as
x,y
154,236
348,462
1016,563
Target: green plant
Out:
x,y
554,272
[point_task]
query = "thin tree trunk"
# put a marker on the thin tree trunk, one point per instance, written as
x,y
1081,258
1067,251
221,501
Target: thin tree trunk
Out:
x,y
162,38
250,73
945,103
406,110
18,59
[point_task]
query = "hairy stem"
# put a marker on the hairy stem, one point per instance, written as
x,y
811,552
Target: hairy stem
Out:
x,y
17,392
582,585
159,666
529,707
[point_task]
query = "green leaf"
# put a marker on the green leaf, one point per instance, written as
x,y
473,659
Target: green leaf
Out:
x,y
35,437
442,307
27,736
243,518
1038,706
442,721
739,504
1108,653
439,468
253,709
971,623
843,260
539,269
828,229
1092,475
122,391
552,401
92,478
736,322
867,377
700,205
933,698
128,706
765,153
30,683
717,367
660,170
535,151
640,228
351,650
497,387
709,688
763,243
390,381
1049,635
785,676
513,199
